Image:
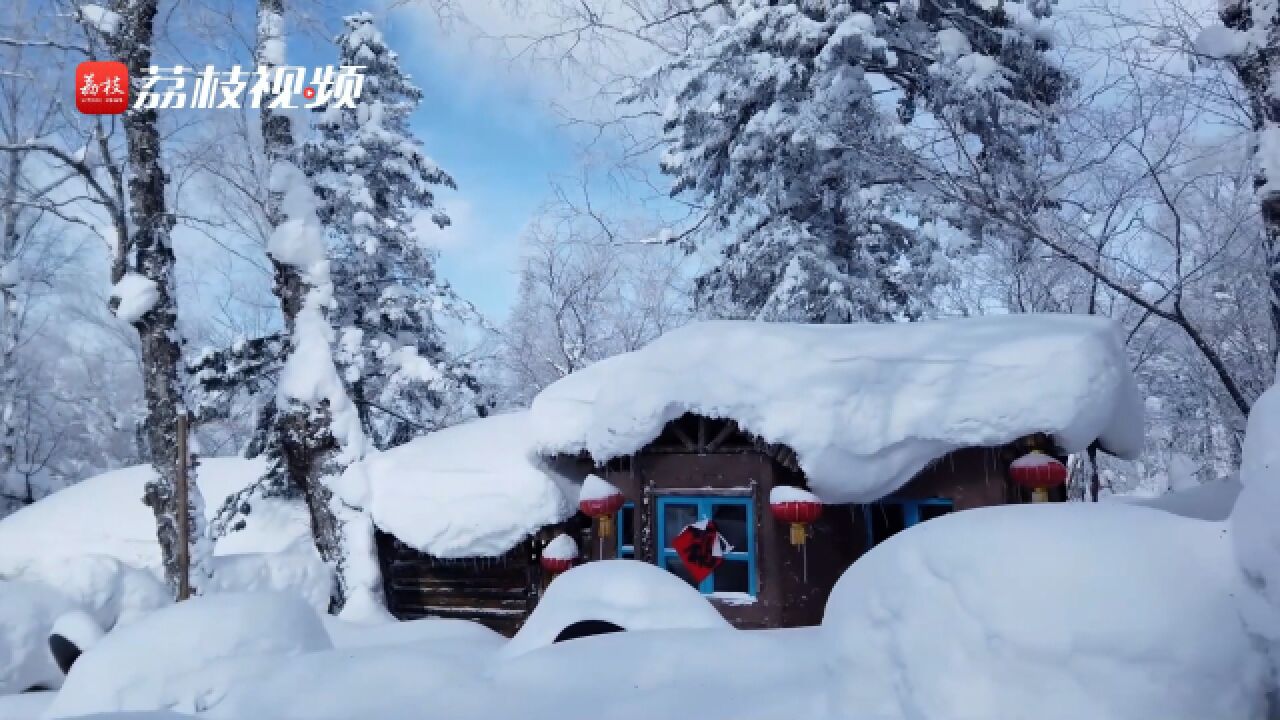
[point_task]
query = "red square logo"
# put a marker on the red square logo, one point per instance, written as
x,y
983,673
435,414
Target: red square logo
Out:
x,y
102,87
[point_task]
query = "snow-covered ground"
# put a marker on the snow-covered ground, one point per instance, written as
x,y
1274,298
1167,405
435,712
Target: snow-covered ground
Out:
x,y
1043,611
1107,611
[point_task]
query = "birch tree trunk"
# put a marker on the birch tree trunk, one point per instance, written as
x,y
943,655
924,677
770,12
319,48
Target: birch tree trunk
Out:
x,y
150,254
8,314
303,432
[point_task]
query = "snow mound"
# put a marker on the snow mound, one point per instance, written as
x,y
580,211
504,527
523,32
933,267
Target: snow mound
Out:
x,y
561,547
1054,612
132,668
104,515
1211,501
595,487
298,569
79,628
426,631
471,490
791,494
27,611
864,406
630,594
25,706
1255,534
109,590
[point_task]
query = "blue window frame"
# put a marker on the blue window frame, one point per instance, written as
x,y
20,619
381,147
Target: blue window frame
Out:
x,y
627,531
734,518
889,517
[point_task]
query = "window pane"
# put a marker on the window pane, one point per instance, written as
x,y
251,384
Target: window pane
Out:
x,y
676,566
887,520
677,516
731,576
933,510
731,521
626,524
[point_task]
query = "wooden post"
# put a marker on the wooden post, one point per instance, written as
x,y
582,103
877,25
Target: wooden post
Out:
x,y
182,519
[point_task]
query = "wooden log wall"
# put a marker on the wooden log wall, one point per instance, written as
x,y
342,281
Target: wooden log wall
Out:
x,y
498,592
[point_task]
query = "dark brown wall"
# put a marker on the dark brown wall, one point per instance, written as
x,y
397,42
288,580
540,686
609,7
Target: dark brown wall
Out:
x,y
497,592
793,582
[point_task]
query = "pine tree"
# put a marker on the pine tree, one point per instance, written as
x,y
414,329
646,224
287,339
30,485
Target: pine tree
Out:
x,y
373,179
794,127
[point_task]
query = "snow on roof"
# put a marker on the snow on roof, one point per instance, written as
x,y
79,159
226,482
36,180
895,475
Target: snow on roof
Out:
x,y
866,406
104,515
471,490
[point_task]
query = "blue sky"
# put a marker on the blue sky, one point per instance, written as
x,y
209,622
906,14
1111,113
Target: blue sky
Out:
x,y
483,122
500,144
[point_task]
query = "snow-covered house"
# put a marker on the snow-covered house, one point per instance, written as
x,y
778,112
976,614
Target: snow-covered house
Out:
x,y
460,515
888,425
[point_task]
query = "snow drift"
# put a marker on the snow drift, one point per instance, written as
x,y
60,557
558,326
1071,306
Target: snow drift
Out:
x,y
27,611
1054,612
133,668
1255,534
104,515
630,594
865,407
471,490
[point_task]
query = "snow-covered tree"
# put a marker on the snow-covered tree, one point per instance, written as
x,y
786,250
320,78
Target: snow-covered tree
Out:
x,y
375,181
1250,40
144,296
813,130
583,298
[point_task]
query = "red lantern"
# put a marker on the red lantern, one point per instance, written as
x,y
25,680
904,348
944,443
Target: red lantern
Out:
x,y
555,565
559,554
795,506
1039,472
601,500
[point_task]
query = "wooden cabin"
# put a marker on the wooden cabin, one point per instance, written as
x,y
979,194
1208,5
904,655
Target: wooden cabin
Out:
x,y
886,425
708,468
460,516
498,592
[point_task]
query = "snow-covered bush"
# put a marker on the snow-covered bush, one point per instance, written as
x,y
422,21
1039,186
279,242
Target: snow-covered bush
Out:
x,y
27,611
134,668
1099,611
632,595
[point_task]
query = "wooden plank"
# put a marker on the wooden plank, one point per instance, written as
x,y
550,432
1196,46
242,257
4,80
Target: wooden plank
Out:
x,y
460,612
689,444
478,598
725,433
430,578
509,605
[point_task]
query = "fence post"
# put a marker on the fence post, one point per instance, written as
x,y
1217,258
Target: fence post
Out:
x,y
182,519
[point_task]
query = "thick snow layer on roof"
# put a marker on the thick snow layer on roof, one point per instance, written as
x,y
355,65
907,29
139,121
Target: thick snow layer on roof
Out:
x,y
865,407
104,515
471,490
1048,611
